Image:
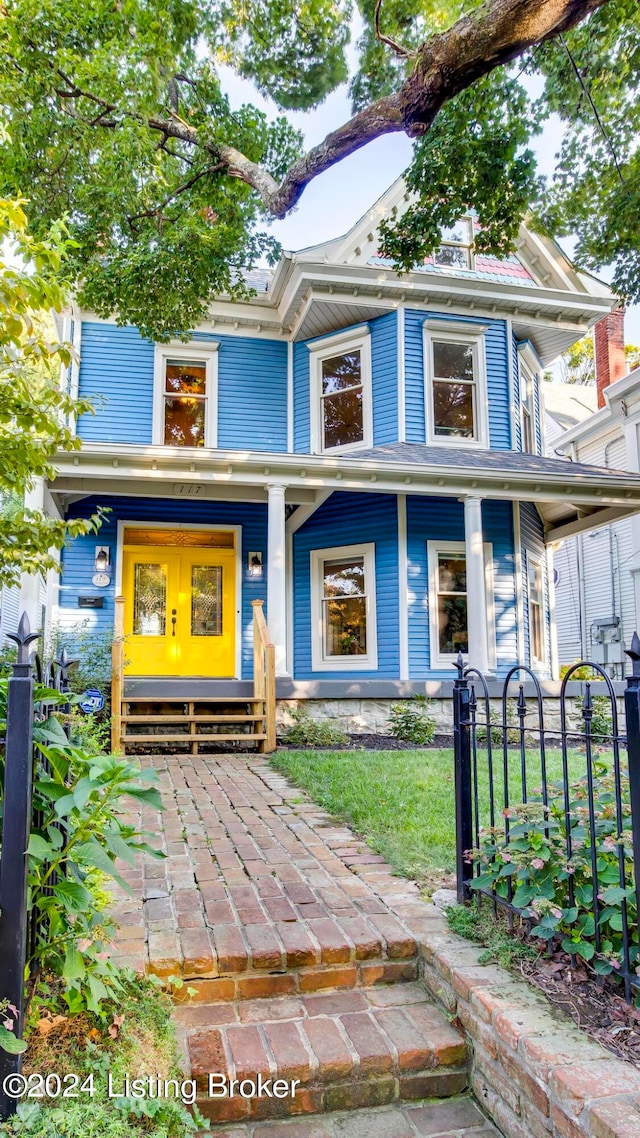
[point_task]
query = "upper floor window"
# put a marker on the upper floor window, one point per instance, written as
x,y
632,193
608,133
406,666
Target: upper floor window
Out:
x,y
185,395
528,415
455,401
456,248
341,393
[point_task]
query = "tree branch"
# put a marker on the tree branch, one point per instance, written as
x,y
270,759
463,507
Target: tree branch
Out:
x,y
399,50
176,193
491,35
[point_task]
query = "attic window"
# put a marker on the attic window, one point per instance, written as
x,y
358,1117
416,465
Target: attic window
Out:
x,y
455,252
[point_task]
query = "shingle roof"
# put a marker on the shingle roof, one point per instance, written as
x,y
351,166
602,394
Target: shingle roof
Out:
x,y
487,268
489,460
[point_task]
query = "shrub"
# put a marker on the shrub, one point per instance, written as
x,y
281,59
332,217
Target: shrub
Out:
x,y
411,722
601,719
533,858
91,651
78,801
584,672
308,732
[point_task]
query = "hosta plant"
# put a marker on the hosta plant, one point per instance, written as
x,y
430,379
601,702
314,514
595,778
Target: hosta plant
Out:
x,y
557,891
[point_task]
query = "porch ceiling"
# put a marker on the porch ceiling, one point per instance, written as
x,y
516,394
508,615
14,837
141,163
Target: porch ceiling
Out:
x,y
572,497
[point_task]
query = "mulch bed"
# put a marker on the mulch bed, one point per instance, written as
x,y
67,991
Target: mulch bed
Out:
x,y
597,1006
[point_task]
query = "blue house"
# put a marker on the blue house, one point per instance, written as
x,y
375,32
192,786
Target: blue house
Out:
x,y
361,450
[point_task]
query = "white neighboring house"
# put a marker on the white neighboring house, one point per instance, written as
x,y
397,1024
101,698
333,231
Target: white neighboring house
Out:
x,y
9,611
597,573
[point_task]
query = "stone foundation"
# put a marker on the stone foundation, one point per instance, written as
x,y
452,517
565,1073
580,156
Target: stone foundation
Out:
x,y
371,716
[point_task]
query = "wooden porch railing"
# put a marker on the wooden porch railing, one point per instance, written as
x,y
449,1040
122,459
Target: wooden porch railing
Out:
x,y
264,674
117,673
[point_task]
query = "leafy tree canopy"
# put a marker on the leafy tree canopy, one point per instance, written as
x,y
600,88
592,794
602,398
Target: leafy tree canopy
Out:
x,y
118,122
578,365
33,408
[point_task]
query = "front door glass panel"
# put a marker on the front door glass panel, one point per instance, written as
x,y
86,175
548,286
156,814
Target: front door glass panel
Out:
x,y
206,600
149,599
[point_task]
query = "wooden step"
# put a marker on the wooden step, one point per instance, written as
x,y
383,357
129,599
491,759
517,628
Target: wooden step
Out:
x,y
185,737
191,699
231,718
337,1051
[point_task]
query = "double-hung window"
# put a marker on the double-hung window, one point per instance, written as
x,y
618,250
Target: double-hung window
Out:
x,y
185,395
456,248
455,384
527,406
341,413
536,610
448,611
343,609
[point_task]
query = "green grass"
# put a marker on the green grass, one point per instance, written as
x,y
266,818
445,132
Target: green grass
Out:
x,y
402,802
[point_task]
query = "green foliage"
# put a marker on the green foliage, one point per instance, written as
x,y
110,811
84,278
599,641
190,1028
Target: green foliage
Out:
x,y
80,798
577,364
475,153
91,652
411,721
134,1036
89,732
308,732
601,719
33,407
582,673
480,924
534,861
8,1039
119,122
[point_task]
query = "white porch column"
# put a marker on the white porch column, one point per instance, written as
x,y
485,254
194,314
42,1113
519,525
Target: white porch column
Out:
x,y
276,576
476,585
30,583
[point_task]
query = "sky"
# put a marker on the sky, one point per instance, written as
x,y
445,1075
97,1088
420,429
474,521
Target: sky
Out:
x,y
335,200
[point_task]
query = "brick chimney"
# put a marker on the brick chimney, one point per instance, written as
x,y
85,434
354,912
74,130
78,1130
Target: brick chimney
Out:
x,y
608,338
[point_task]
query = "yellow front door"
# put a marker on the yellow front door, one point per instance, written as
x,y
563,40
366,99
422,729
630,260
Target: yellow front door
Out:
x,y
180,613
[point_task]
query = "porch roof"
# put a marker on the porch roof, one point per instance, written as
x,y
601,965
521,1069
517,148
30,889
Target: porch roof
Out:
x,y
571,497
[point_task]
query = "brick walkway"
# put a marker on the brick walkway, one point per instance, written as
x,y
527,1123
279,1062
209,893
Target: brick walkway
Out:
x,y
282,923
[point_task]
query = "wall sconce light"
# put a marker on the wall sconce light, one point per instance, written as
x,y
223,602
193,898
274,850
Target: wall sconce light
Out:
x,y
102,559
254,565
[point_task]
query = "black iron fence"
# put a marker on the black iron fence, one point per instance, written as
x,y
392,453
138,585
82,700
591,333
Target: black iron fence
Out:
x,y
548,814
33,691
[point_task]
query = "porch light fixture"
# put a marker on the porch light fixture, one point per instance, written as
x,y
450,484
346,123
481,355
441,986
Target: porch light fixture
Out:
x,y
102,559
254,565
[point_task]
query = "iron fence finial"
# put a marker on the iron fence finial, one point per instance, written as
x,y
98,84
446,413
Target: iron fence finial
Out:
x,y
23,638
459,666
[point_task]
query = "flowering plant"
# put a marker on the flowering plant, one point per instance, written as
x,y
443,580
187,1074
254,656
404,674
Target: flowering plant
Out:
x,y
568,867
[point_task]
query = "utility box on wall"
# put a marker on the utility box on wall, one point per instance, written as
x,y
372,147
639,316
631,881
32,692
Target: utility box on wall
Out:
x,y
606,641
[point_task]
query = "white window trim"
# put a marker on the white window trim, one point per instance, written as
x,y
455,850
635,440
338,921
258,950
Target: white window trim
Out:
x,y
535,663
439,660
320,662
470,245
457,333
528,405
206,353
356,339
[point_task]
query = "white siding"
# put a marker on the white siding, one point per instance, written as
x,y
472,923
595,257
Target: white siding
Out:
x,y
9,610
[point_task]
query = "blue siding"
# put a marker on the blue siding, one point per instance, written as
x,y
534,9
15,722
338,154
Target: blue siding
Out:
x,y
532,540
517,393
497,376
350,519
77,560
384,369
384,366
442,519
252,392
116,375
301,393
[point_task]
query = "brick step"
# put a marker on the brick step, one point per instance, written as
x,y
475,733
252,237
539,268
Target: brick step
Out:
x,y
278,951
322,1052
457,1117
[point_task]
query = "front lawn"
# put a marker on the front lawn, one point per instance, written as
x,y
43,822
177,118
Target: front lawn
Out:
x,y
402,802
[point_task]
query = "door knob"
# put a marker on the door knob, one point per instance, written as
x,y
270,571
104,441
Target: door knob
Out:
x,y
173,621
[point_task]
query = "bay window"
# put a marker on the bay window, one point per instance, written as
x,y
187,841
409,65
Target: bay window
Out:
x,y
341,393
455,384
